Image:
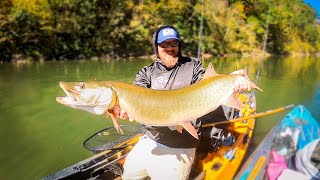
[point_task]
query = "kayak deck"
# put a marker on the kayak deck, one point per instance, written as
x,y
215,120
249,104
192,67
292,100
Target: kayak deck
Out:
x,y
225,162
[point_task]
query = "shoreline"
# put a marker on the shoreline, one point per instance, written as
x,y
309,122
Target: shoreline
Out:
x,y
21,59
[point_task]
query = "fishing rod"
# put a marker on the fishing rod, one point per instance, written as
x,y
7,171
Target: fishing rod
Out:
x,y
269,112
264,46
252,94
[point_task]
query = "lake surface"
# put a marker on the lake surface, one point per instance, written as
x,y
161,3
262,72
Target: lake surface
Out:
x,y
39,136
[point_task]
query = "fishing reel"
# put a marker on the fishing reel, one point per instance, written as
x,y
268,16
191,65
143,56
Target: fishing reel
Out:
x,y
215,137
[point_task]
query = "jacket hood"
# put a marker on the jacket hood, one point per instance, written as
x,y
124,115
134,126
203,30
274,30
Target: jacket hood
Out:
x,y
155,39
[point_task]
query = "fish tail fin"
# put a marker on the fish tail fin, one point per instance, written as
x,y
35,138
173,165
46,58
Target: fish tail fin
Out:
x,y
253,85
190,129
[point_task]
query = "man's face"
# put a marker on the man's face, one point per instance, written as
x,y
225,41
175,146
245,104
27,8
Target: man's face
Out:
x,y
169,52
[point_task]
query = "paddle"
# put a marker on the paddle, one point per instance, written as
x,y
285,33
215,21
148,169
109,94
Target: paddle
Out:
x,y
252,116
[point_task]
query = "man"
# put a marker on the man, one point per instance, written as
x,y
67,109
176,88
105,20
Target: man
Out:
x,y
163,152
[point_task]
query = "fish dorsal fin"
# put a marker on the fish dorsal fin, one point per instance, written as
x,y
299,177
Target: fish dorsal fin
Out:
x,y
232,101
209,72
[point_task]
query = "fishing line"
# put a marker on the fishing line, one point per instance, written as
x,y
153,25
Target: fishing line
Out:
x,y
201,32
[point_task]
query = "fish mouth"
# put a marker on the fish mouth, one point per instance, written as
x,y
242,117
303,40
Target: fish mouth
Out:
x,y
93,100
71,93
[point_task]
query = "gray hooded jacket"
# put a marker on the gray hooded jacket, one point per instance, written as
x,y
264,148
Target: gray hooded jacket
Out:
x,y
157,76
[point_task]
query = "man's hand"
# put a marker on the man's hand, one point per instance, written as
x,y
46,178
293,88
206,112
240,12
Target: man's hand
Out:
x,y
242,83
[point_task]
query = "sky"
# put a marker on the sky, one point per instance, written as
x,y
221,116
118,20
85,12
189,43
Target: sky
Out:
x,y
315,4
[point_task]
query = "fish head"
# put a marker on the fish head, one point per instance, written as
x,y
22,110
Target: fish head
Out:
x,y
88,96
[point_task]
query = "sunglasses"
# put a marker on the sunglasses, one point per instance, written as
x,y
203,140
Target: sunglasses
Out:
x,y
167,44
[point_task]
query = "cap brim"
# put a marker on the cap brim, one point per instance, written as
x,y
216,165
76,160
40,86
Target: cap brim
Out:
x,y
166,38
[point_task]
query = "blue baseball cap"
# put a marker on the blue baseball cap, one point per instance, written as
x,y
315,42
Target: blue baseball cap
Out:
x,y
167,33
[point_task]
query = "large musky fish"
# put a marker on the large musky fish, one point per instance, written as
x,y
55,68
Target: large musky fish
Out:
x,y
155,107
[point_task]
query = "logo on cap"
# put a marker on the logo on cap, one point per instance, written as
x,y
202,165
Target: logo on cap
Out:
x,y
168,32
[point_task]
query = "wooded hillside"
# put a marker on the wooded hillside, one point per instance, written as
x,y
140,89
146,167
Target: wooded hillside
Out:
x,y
71,29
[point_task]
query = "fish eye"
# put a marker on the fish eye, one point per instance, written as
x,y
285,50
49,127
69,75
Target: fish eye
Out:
x,y
82,85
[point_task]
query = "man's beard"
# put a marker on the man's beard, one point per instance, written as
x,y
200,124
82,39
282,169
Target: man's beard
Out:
x,y
170,61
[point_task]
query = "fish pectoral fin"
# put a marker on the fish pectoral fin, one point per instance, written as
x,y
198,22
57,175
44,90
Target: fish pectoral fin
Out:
x,y
179,128
233,102
115,123
209,72
190,129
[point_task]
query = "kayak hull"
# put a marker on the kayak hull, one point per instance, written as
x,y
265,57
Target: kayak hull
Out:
x,y
300,119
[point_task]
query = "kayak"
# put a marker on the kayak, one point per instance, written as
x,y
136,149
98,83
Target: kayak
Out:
x,y
279,154
225,162
219,155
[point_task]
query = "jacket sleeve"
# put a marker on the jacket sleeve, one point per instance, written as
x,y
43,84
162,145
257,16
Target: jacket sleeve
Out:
x,y
198,72
143,78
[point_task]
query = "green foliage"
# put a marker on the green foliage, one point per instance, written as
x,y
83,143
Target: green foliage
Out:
x,y
69,29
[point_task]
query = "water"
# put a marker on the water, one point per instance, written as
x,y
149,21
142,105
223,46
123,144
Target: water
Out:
x,y
38,136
